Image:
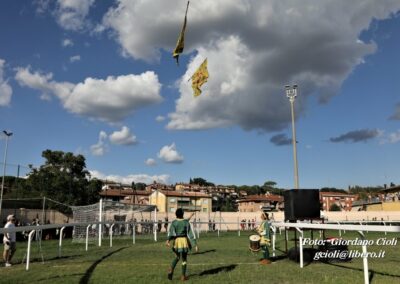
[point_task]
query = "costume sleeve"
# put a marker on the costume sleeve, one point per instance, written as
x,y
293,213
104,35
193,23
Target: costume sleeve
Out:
x,y
261,229
267,229
192,235
172,232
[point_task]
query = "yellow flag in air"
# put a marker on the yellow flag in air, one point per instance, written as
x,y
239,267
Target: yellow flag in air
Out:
x,y
181,40
199,78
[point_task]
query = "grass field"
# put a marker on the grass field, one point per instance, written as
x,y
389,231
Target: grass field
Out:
x,y
224,259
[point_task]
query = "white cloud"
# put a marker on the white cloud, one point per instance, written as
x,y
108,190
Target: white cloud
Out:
x,y
123,137
394,137
100,148
391,138
169,154
160,118
71,14
111,99
41,5
150,162
74,58
5,88
396,115
254,48
67,42
144,178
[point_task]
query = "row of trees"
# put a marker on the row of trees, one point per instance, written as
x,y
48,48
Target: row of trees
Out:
x,y
63,177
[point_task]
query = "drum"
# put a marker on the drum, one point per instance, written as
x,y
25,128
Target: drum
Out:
x,y
255,243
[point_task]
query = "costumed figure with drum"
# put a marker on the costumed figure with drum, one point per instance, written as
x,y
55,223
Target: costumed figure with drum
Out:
x,y
183,237
262,240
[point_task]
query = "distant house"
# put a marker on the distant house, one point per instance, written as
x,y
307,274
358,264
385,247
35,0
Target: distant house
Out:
x,y
128,196
343,200
169,201
388,200
391,194
187,186
255,203
158,186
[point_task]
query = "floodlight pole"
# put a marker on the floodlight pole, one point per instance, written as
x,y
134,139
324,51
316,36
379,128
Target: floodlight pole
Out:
x,y
291,93
8,135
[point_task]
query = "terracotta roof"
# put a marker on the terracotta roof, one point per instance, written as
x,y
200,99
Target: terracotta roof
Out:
x,y
261,198
184,194
336,194
395,188
124,192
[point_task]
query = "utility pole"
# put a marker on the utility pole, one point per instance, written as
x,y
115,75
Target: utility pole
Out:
x,y
8,135
291,93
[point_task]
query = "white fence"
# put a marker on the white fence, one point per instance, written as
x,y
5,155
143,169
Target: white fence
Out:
x,y
358,228
361,227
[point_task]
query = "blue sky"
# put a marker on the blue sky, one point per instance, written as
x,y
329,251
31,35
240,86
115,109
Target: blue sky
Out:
x,y
97,78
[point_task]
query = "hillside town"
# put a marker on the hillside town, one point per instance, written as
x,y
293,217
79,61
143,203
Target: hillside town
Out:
x,y
193,197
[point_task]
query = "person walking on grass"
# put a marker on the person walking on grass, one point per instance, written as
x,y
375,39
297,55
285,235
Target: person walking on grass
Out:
x,y
9,240
263,231
183,237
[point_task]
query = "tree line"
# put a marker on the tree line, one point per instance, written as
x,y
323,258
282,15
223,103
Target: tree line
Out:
x,y
65,178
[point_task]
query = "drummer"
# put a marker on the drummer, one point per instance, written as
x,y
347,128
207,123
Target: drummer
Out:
x,y
263,231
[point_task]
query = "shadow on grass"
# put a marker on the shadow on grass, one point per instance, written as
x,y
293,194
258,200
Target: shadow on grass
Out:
x,y
204,252
65,257
371,272
39,259
279,257
218,270
58,277
85,279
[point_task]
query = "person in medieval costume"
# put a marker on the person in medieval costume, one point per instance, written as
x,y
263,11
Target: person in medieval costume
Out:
x,y
183,237
264,231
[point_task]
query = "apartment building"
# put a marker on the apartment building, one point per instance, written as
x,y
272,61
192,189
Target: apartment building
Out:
x,y
255,203
169,201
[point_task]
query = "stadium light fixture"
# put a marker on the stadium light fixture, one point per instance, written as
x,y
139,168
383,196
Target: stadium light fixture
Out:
x,y
291,93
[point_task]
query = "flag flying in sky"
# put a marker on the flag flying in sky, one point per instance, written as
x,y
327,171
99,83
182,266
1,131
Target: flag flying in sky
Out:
x,y
137,118
181,40
199,78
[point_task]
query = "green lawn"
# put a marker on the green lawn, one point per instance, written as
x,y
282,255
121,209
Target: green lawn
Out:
x,y
224,259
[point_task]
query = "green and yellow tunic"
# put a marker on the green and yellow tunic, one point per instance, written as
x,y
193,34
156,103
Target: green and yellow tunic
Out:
x,y
263,231
182,233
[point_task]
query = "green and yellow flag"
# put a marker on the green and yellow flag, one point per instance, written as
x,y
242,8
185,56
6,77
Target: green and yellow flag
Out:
x,y
181,40
199,78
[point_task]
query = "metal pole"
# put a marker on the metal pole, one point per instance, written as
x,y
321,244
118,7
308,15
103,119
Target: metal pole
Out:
x,y
294,142
28,252
43,214
16,189
291,93
134,233
110,232
100,220
60,241
87,236
273,240
4,169
301,247
155,224
365,259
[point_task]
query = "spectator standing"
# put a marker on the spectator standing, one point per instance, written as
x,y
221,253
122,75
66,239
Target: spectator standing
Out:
x,y
9,241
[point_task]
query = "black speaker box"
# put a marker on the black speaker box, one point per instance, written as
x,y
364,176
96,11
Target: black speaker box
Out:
x,y
301,204
308,254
